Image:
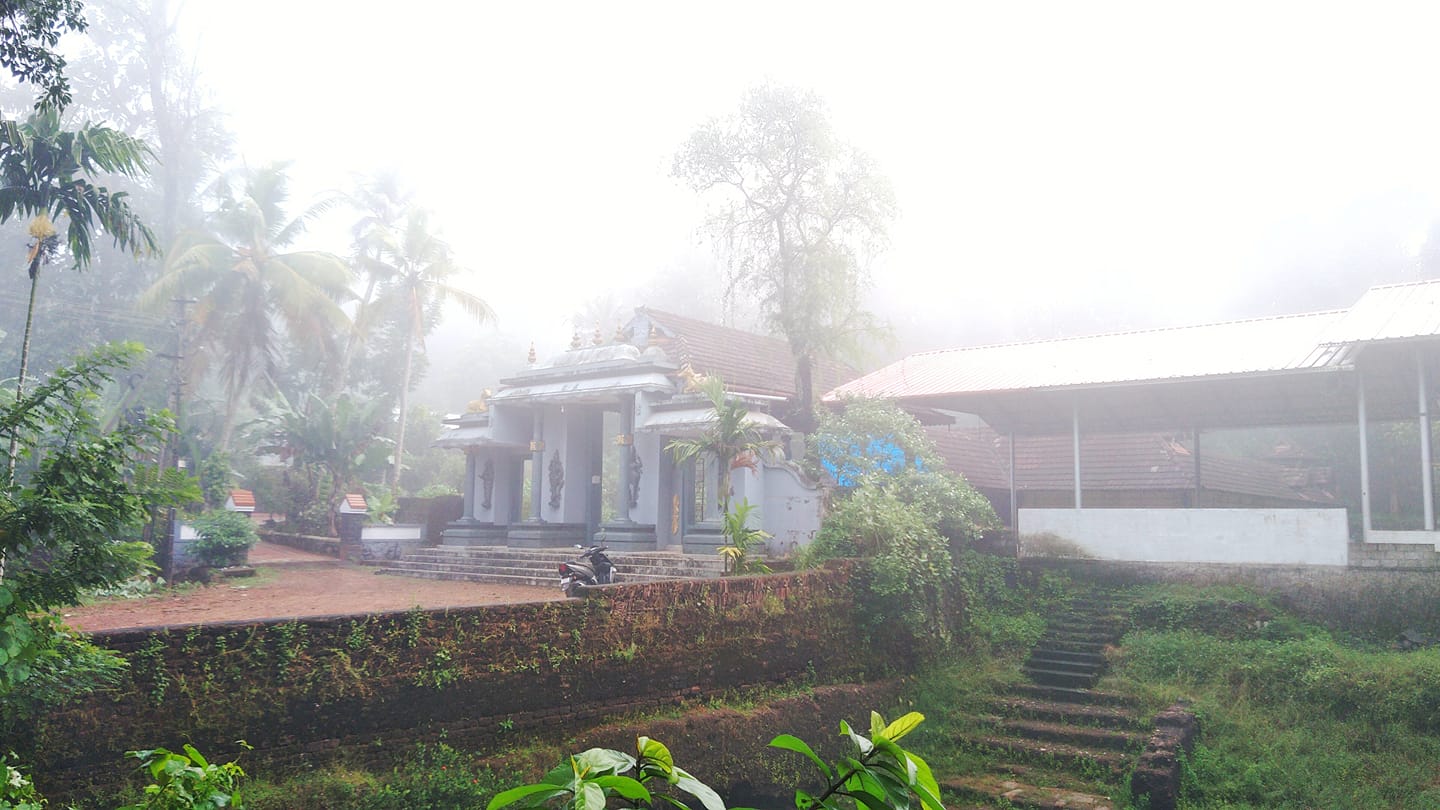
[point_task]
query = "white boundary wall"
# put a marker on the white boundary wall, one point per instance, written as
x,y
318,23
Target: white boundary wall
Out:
x,y
1273,536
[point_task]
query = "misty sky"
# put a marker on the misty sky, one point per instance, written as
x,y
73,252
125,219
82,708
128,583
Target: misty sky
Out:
x,y
1149,161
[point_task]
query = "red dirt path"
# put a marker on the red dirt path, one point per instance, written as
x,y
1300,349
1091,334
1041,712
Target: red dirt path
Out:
x,y
292,583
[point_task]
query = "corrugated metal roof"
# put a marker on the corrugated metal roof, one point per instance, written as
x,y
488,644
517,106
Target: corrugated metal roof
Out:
x,y
1391,312
1258,346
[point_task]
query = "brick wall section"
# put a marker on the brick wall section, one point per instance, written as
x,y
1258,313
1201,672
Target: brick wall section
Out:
x,y
317,689
1400,556
1378,602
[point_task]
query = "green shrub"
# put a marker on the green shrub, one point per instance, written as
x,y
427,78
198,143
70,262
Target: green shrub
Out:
x,y
225,538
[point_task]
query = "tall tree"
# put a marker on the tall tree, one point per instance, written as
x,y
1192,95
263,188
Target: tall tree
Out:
x,y
799,215
415,264
382,205
48,174
29,32
252,294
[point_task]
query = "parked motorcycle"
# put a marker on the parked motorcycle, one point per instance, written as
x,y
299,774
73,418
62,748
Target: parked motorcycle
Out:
x,y
592,567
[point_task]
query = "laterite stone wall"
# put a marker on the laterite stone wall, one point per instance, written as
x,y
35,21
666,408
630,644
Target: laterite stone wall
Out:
x,y
362,687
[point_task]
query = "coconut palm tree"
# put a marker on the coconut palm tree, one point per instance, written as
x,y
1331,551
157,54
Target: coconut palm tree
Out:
x,y
48,174
414,264
730,436
252,293
382,204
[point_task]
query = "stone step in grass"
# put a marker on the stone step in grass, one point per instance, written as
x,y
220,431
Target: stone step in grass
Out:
x,y
1100,764
1051,653
1086,635
1097,647
1076,735
1002,791
1044,660
1061,694
1080,714
1060,677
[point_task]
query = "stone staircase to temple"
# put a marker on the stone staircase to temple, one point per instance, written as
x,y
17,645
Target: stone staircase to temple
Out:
x,y
1056,742
521,566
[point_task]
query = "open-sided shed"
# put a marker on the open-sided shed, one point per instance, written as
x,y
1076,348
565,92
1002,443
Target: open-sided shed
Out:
x,y
1373,362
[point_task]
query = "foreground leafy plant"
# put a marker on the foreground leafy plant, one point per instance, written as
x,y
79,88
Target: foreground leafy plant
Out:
x,y
588,780
188,781
882,777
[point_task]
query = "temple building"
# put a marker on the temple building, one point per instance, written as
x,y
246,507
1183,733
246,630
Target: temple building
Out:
x,y
575,446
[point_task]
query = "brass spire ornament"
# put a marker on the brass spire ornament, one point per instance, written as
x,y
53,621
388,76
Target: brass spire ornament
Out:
x,y
531,358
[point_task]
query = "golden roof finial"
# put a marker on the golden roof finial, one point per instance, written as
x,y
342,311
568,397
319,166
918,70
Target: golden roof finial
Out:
x,y
575,341
531,358
599,338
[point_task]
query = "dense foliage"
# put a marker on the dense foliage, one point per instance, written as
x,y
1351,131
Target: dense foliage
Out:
x,y
899,509
225,538
81,492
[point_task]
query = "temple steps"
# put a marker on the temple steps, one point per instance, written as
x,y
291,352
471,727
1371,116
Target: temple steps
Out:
x,y
1056,742
539,567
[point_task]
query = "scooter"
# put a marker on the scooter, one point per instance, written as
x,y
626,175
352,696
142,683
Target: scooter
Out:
x,y
592,567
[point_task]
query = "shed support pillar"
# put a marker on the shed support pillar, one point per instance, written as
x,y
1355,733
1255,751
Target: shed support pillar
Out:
x,y
1364,458
1195,435
1427,469
1075,444
1014,504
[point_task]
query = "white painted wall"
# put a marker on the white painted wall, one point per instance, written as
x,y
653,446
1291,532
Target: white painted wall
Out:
x,y
1414,537
1274,536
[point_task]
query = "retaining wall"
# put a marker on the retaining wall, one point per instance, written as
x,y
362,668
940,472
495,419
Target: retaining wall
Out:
x,y
356,687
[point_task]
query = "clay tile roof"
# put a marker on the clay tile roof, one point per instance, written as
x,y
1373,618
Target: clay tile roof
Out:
x,y
749,363
356,501
242,498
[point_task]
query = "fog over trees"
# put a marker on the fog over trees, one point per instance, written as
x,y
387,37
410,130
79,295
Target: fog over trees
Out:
x,y
836,251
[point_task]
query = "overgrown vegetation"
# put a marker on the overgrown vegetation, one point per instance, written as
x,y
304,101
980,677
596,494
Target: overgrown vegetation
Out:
x,y
225,538
1291,716
900,510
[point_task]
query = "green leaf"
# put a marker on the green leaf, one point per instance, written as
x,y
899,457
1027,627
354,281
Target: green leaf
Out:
x,y
625,786
516,794
863,744
877,724
600,761
902,726
590,797
790,742
925,785
654,756
699,790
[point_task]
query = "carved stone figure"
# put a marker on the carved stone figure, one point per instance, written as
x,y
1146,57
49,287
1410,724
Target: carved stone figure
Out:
x,y
557,480
487,477
637,469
